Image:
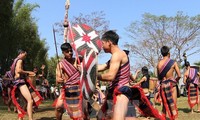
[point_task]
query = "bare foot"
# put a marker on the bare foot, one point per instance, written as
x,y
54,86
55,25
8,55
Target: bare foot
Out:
x,y
9,109
192,111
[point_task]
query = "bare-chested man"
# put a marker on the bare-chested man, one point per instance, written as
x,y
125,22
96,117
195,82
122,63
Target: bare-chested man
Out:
x,y
118,75
68,74
166,68
20,75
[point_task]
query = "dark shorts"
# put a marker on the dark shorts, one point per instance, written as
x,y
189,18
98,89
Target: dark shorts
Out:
x,y
19,82
125,90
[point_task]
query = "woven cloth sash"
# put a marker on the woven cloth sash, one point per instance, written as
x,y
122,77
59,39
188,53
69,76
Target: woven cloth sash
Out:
x,y
165,68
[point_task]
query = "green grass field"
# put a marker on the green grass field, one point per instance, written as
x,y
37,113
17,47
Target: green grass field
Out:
x,y
184,111
46,111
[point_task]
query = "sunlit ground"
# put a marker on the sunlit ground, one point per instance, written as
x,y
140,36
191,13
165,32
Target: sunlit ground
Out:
x,y
46,111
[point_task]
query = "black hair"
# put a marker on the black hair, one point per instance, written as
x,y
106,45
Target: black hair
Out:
x,y
21,51
126,51
187,63
65,46
112,36
164,51
145,70
36,69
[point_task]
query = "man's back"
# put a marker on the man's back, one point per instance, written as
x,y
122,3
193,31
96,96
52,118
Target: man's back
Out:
x,y
168,87
170,73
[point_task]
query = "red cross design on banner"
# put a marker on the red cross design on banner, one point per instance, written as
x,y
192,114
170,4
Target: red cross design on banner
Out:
x,y
89,72
83,37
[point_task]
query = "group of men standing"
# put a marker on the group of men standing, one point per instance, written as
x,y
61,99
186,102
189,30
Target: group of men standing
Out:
x,y
120,92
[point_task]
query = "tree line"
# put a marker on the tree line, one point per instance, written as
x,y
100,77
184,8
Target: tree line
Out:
x,y
18,30
180,32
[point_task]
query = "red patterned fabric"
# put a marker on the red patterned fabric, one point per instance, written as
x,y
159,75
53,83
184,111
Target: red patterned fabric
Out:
x,y
12,69
167,98
71,71
72,99
138,98
86,42
192,86
14,96
193,95
122,76
6,84
144,105
166,90
37,99
82,37
71,93
89,73
9,75
193,77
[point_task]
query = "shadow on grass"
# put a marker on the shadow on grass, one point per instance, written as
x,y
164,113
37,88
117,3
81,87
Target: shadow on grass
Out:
x,y
47,118
185,110
45,109
4,107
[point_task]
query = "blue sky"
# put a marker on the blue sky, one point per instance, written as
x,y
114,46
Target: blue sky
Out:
x,y
119,13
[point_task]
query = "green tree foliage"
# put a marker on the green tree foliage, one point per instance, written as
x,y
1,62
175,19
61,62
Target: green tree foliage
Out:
x,y
5,28
180,33
198,63
52,64
22,34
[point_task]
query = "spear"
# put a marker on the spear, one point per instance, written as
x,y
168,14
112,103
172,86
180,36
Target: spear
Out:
x,y
54,36
55,43
66,22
